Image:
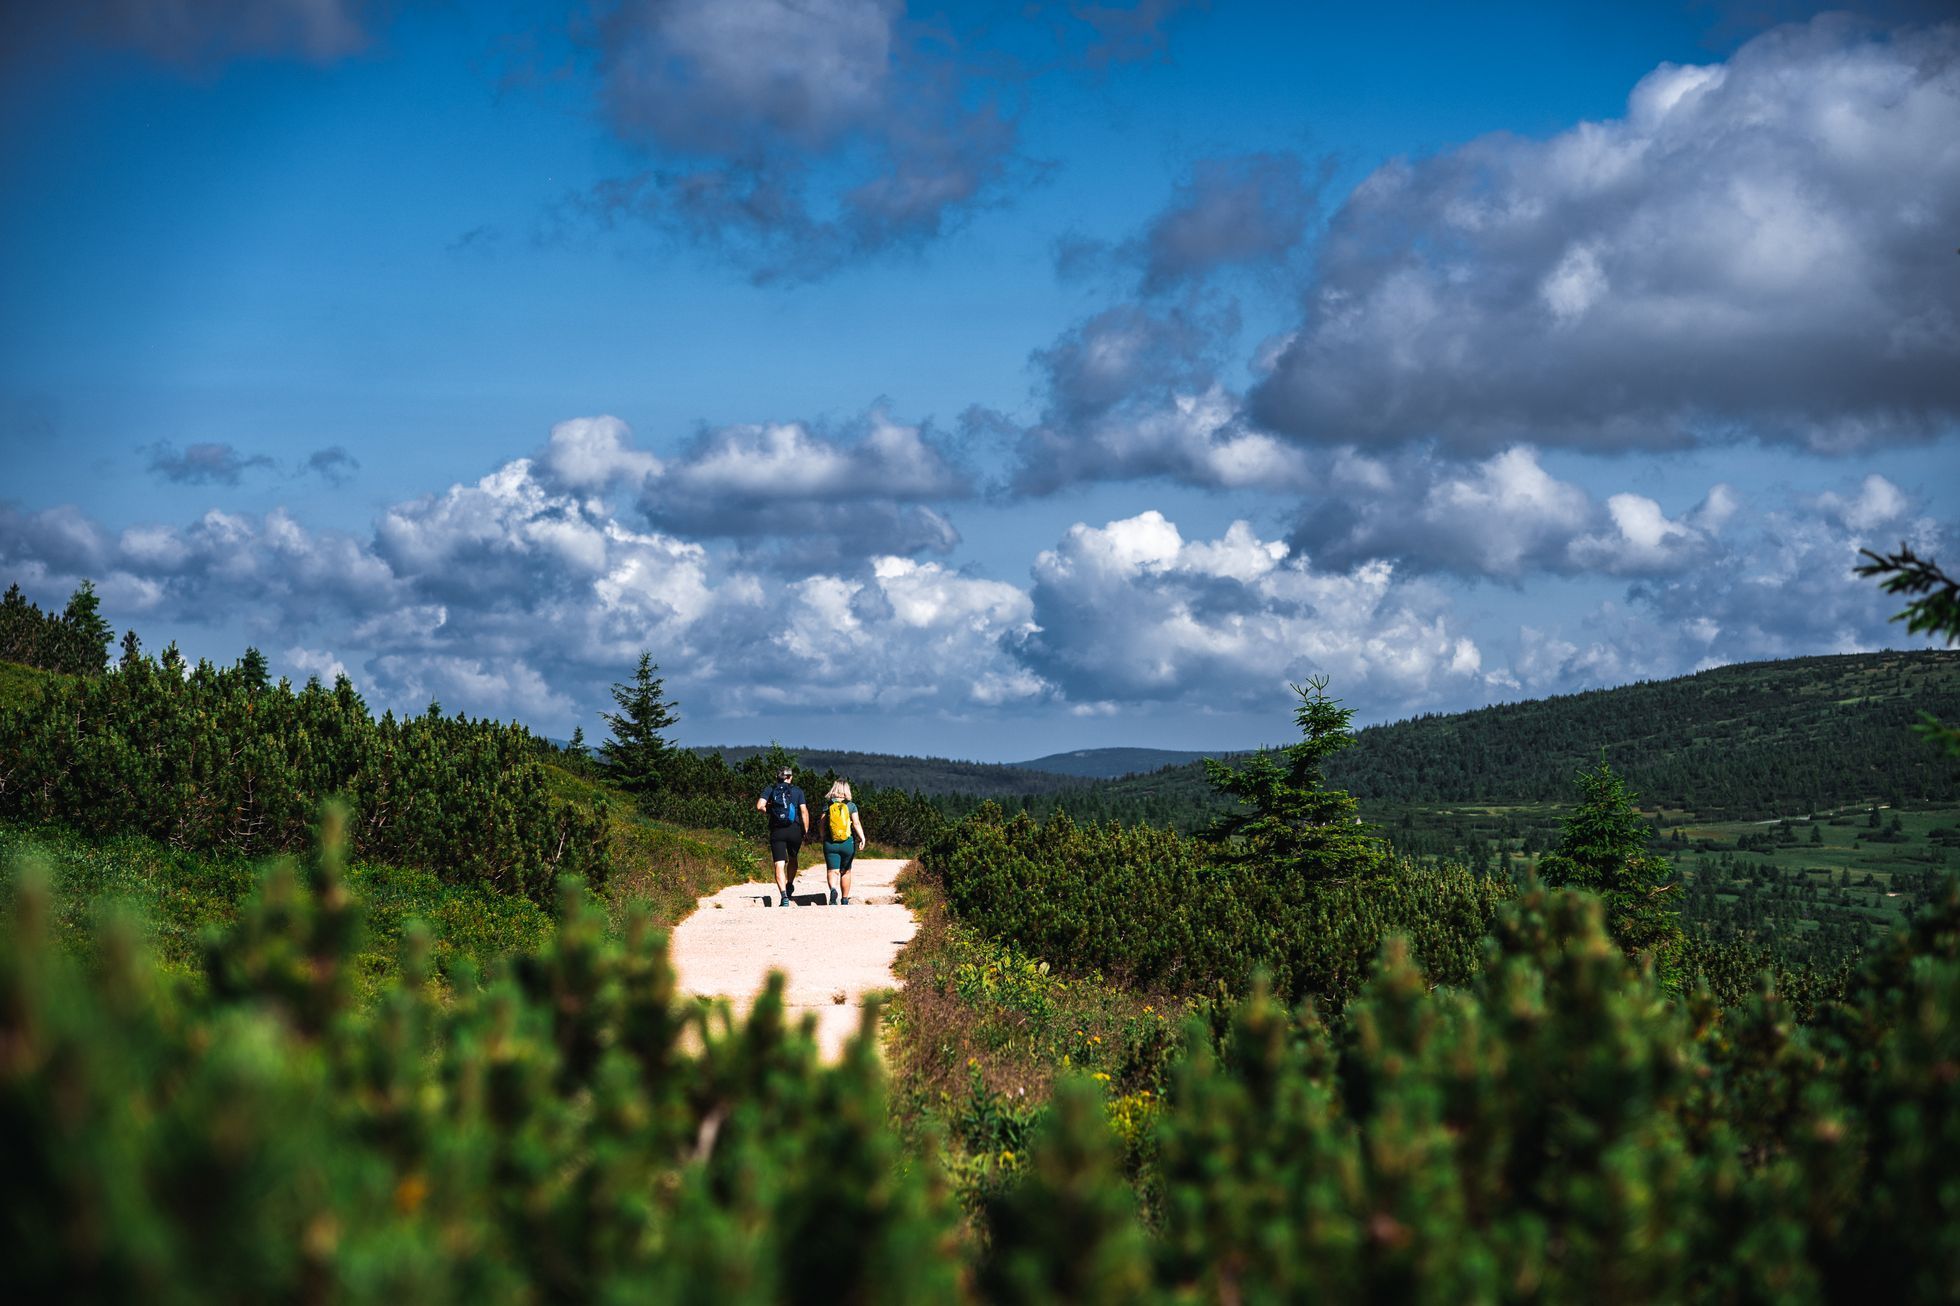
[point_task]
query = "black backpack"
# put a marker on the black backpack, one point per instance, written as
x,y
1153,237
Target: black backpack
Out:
x,y
780,812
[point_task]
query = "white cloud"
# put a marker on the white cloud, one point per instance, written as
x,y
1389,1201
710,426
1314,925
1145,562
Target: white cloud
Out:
x,y
1752,251
1131,611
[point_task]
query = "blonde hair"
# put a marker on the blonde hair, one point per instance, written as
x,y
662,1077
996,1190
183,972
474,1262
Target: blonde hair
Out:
x,y
841,790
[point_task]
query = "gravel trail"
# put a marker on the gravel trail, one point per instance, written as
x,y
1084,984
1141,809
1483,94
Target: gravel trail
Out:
x,y
830,956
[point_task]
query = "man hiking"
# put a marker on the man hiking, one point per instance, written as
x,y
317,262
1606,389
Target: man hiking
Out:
x,y
789,821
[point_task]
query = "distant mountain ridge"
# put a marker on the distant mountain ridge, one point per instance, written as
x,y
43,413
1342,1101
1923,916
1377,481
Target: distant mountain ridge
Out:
x,y
1112,763
928,775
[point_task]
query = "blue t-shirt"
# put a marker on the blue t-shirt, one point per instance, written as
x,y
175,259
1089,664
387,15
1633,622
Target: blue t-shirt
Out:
x,y
785,804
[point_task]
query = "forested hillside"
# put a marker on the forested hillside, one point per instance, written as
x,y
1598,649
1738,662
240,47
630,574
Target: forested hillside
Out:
x,y
1758,739
1111,763
1749,742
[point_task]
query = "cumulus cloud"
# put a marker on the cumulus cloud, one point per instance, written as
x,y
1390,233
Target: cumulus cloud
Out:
x,y
1131,393
1504,517
819,498
594,454
527,590
1777,584
210,463
333,465
1133,612
1760,248
797,135
1246,210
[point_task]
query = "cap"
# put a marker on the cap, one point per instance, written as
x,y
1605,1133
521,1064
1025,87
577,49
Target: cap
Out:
x,y
785,773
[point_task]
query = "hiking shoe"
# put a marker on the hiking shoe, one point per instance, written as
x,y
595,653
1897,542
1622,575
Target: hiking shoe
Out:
x,y
783,901
833,897
845,901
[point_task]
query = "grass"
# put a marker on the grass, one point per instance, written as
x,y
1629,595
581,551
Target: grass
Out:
x,y
979,1033
181,895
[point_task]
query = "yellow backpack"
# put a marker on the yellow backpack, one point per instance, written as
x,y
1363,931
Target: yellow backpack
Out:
x,y
840,821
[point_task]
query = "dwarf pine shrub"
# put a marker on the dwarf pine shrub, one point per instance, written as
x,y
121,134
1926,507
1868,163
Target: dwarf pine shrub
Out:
x,y
1557,1129
216,760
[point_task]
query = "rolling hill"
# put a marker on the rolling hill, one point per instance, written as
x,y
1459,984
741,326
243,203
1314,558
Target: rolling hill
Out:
x,y
1111,763
927,775
1754,740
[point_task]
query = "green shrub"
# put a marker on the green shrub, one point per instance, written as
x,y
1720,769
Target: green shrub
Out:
x,y
1559,1129
216,761
1147,906
569,1129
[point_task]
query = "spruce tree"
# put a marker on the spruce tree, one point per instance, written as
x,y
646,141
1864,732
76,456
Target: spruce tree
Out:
x,y
1605,850
20,628
86,636
1291,820
255,669
637,755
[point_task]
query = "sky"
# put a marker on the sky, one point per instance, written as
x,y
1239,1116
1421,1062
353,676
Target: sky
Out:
x,y
978,380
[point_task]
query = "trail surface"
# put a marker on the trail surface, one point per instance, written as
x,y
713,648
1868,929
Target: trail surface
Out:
x,y
830,956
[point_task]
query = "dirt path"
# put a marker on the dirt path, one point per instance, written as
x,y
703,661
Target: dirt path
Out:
x,y
736,937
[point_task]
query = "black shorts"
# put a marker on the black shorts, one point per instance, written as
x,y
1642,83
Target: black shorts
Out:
x,y
785,842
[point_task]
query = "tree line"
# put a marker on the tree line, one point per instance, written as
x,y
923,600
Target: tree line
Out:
x,y
222,760
74,641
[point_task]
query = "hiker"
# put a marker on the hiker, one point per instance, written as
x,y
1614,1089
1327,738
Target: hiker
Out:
x,y
843,835
789,821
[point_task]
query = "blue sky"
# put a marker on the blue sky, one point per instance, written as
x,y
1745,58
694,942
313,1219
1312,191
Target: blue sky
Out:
x,y
977,380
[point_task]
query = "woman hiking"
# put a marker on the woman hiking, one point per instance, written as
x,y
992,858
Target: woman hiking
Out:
x,y
843,835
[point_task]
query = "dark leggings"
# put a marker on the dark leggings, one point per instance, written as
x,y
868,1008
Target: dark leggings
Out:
x,y
786,844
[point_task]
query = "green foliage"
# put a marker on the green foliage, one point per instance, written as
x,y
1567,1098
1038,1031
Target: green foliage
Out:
x,y
1934,610
210,762
638,756
1557,1130
181,897
74,643
1604,849
1290,823
568,1130
1150,907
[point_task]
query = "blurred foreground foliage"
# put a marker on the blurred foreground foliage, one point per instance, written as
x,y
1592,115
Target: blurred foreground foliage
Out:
x,y
1557,1127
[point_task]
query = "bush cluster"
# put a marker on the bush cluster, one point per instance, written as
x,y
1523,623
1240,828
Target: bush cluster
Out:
x,y
1558,1129
567,1130
1149,906
219,761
